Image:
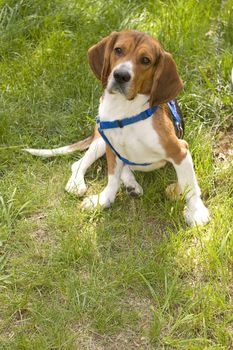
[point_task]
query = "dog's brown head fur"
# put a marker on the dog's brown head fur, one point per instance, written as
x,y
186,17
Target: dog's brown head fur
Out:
x,y
152,70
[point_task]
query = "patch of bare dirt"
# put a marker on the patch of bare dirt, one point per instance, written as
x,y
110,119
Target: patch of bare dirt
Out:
x,y
126,339
224,149
40,233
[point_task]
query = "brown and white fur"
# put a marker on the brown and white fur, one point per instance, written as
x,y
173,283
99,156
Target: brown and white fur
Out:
x,y
137,73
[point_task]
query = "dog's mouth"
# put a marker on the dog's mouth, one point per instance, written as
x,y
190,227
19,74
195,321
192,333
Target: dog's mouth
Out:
x,y
115,88
123,89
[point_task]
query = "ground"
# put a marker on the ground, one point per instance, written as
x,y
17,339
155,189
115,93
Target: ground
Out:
x,y
134,276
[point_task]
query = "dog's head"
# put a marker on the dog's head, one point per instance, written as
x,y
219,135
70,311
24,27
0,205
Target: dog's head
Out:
x,y
131,63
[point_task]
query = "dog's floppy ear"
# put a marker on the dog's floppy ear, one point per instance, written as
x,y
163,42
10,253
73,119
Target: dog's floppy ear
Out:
x,y
99,57
166,82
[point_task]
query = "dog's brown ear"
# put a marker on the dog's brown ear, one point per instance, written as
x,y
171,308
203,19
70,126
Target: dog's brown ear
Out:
x,y
99,57
166,82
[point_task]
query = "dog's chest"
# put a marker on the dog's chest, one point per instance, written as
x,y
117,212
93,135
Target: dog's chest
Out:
x,y
137,142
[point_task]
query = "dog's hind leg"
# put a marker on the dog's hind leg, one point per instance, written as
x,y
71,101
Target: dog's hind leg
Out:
x,y
132,186
76,184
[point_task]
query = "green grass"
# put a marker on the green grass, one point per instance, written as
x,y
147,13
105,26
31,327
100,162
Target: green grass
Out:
x,y
134,276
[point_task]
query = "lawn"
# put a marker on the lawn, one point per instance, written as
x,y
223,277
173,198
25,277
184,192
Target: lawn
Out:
x,y
134,276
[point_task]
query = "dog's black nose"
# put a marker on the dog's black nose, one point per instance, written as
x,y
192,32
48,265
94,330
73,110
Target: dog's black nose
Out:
x,y
121,76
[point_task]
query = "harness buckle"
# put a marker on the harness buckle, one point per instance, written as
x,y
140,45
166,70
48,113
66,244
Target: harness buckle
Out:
x,y
120,124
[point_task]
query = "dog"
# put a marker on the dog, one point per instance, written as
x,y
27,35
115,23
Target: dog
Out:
x,y
137,124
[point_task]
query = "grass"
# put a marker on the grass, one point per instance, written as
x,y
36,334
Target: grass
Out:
x,y
134,276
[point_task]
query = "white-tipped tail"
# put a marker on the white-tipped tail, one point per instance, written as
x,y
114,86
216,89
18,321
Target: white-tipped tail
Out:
x,y
80,145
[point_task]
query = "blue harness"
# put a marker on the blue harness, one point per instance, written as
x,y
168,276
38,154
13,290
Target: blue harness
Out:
x,y
105,125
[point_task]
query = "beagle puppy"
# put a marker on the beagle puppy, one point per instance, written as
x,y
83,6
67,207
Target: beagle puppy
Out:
x,y
137,76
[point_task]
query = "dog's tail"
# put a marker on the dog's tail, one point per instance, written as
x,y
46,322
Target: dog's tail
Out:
x,y
77,146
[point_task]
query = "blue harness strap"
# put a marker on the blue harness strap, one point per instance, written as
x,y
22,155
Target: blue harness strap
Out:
x,y
124,160
176,118
105,125
127,121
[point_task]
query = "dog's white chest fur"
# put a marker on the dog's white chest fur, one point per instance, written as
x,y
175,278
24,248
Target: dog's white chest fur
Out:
x,y
139,142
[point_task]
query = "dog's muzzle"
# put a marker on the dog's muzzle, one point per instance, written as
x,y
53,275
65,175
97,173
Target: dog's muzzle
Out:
x,y
121,78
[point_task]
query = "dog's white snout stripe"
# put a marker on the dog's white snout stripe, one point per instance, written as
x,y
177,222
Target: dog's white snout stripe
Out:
x,y
125,66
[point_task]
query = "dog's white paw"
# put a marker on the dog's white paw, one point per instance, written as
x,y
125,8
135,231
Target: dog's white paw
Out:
x,y
92,202
196,213
134,190
77,188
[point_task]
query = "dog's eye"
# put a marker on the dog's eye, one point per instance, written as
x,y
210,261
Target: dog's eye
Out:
x,y
145,60
118,51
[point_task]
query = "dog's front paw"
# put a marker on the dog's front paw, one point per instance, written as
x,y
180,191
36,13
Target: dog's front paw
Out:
x,y
196,213
77,188
92,202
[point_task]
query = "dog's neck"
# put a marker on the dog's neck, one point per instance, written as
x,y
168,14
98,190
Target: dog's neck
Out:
x,y
116,106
